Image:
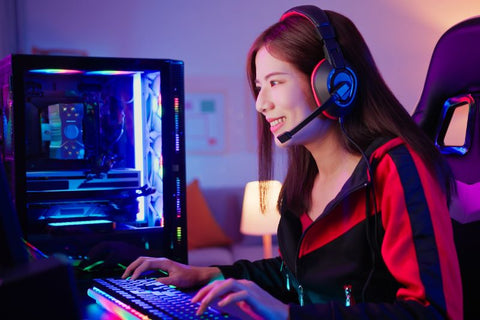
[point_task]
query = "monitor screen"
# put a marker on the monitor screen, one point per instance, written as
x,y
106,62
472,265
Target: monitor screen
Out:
x,y
94,151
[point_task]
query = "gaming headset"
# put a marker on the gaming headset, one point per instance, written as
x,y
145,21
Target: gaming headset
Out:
x,y
331,75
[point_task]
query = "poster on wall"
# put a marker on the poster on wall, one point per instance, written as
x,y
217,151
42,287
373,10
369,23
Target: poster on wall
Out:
x,y
204,123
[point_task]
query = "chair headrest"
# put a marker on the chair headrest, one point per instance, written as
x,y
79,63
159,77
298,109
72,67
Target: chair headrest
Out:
x,y
454,69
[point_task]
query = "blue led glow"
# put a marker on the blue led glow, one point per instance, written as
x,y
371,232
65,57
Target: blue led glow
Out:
x,y
110,72
78,223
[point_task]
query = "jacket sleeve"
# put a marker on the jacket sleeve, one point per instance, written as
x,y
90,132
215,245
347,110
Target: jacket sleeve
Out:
x,y
266,273
417,247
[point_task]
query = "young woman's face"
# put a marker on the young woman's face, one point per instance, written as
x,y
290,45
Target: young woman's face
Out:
x,y
285,98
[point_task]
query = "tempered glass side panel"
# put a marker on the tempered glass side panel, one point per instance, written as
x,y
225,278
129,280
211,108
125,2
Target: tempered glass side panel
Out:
x,y
98,154
79,122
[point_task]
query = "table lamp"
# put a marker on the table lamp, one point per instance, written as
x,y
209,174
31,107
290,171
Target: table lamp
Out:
x,y
258,223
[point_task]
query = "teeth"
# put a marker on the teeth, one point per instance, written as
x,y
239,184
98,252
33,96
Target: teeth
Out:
x,y
277,121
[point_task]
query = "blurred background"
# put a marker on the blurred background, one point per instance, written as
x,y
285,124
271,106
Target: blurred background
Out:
x,y
212,37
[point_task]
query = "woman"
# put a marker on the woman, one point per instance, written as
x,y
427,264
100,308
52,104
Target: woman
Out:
x,y
365,230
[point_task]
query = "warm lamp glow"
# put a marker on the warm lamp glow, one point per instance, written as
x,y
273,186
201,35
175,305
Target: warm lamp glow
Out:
x,y
258,223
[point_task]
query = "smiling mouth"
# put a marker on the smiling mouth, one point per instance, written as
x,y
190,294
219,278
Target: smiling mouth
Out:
x,y
277,123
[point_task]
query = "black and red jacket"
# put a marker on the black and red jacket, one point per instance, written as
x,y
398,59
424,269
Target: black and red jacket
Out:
x,y
358,260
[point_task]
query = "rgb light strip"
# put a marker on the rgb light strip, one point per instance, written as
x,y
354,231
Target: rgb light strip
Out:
x,y
115,306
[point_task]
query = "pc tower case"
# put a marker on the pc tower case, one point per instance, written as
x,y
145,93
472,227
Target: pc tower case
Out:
x,y
94,153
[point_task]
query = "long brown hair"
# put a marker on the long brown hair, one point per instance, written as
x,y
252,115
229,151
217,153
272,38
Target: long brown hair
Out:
x,y
376,113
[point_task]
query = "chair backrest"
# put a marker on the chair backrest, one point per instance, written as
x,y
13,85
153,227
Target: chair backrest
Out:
x,y
448,109
449,112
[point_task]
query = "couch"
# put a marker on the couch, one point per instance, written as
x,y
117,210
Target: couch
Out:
x,y
213,227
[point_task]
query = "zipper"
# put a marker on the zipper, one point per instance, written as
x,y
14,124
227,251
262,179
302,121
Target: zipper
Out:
x,y
348,295
300,295
286,276
294,282
288,283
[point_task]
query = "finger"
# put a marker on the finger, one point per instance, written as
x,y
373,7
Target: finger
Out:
x,y
204,291
213,291
244,301
146,265
247,308
132,266
201,297
237,296
169,281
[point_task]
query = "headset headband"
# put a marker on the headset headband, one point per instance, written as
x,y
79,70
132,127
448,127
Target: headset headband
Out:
x,y
319,19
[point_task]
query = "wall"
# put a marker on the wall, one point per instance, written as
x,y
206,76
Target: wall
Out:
x,y
213,37
8,26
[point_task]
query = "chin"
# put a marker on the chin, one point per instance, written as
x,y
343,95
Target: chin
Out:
x,y
282,145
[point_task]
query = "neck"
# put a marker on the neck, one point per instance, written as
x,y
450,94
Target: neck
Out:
x,y
331,156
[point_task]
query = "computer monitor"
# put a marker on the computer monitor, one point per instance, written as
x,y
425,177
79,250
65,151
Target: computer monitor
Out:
x,y
93,148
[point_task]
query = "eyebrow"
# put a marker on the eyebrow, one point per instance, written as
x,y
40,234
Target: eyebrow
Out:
x,y
272,74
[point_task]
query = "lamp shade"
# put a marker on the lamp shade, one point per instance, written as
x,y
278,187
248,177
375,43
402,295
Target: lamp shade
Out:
x,y
254,222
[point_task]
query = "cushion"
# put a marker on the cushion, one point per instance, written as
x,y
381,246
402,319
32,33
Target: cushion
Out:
x,y
202,229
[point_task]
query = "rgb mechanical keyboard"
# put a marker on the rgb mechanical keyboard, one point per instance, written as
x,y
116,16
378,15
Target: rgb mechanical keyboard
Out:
x,y
147,299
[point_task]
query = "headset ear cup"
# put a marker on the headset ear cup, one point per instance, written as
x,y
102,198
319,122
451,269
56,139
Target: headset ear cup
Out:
x,y
319,82
324,79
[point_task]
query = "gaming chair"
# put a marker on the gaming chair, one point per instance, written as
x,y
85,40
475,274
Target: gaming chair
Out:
x,y
448,111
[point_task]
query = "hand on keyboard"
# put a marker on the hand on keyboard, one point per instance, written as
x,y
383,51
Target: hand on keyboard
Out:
x,y
249,297
178,274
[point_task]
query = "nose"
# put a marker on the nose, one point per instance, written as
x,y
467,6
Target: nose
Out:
x,y
263,104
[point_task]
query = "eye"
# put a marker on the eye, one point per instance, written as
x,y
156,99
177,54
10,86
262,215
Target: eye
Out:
x,y
273,83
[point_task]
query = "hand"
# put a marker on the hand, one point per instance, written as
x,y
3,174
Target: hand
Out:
x,y
179,275
249,297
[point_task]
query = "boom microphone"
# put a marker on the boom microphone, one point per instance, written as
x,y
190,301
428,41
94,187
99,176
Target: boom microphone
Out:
x,y
337,94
